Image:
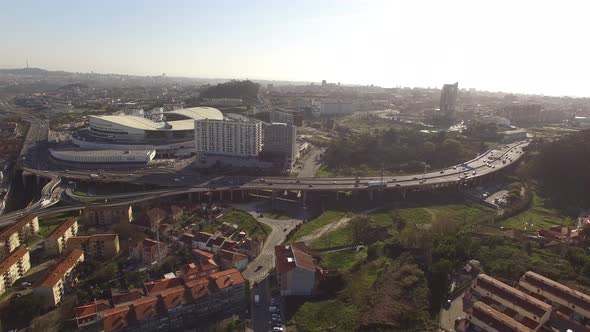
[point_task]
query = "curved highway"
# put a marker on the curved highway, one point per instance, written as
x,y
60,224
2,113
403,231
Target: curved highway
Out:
x,y
487,163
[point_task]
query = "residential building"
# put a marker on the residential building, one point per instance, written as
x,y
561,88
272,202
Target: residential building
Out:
x,y
562,297
200,240
523,114
487,319
280,140
96,246
290,117
295,268
448,100
107,215
116,319
149,251
249,247
58,280
173,304
88,314
56,242
232,136
17,234
14,267
232,260
517,305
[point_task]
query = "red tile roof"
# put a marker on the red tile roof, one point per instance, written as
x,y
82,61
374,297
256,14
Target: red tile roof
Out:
x,y
93,237
558,290
231,256
59,269
291,255
154,287
91,308
62,229
116,318
203,253
144,308
513,295
172,297
227,278
198,288
16,227
14,257
497,320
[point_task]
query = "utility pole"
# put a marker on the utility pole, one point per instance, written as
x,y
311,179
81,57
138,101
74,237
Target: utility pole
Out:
x,y
158,236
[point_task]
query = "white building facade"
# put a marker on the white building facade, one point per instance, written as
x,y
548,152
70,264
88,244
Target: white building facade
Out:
x,y
242,138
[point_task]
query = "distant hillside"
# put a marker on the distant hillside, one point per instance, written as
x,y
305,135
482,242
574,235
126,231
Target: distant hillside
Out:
x,y
232,89
30,71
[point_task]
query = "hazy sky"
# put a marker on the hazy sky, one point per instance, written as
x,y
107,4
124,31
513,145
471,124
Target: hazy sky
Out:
x,y
516,45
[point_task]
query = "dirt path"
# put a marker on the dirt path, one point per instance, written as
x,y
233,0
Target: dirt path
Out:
x,y
432,215
334,225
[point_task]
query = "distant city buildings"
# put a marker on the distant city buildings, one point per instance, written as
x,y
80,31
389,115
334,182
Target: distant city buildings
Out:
x,y
334,108
291,117
448,100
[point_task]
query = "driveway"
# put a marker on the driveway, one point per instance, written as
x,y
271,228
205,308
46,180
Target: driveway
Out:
x,y
266,258
448,317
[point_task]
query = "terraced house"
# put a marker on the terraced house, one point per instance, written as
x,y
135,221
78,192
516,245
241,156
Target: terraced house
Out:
x,y
14,267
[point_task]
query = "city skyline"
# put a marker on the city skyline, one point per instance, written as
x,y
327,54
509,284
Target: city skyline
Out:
x,y
525,47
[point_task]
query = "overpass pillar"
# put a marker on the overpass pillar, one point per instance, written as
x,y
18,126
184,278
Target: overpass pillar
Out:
x,y
210,196
231,195
304,198
371,194
190,197
273,197
243,193
404,193
337,195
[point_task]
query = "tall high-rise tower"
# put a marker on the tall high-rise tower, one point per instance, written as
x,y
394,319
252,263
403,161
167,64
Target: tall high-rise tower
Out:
x,y
448,99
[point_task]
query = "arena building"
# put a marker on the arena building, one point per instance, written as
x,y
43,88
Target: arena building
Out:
x,y
173,137
179,125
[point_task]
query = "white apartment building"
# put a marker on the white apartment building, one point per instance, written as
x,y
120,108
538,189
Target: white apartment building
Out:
x,y
233,136
14,267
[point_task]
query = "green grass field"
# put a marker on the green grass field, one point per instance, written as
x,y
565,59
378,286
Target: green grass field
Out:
x,y
539,216
321,221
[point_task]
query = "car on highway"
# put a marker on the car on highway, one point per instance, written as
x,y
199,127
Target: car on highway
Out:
x,y
333,182
258,268
442,172
310,185
273,308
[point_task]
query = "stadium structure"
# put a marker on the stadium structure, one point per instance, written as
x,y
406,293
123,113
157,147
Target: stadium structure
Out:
x,y
173,137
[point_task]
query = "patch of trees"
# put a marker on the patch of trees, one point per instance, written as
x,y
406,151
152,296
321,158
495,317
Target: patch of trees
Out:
x,y
232,89
482,131
393,150
562,168
398,301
